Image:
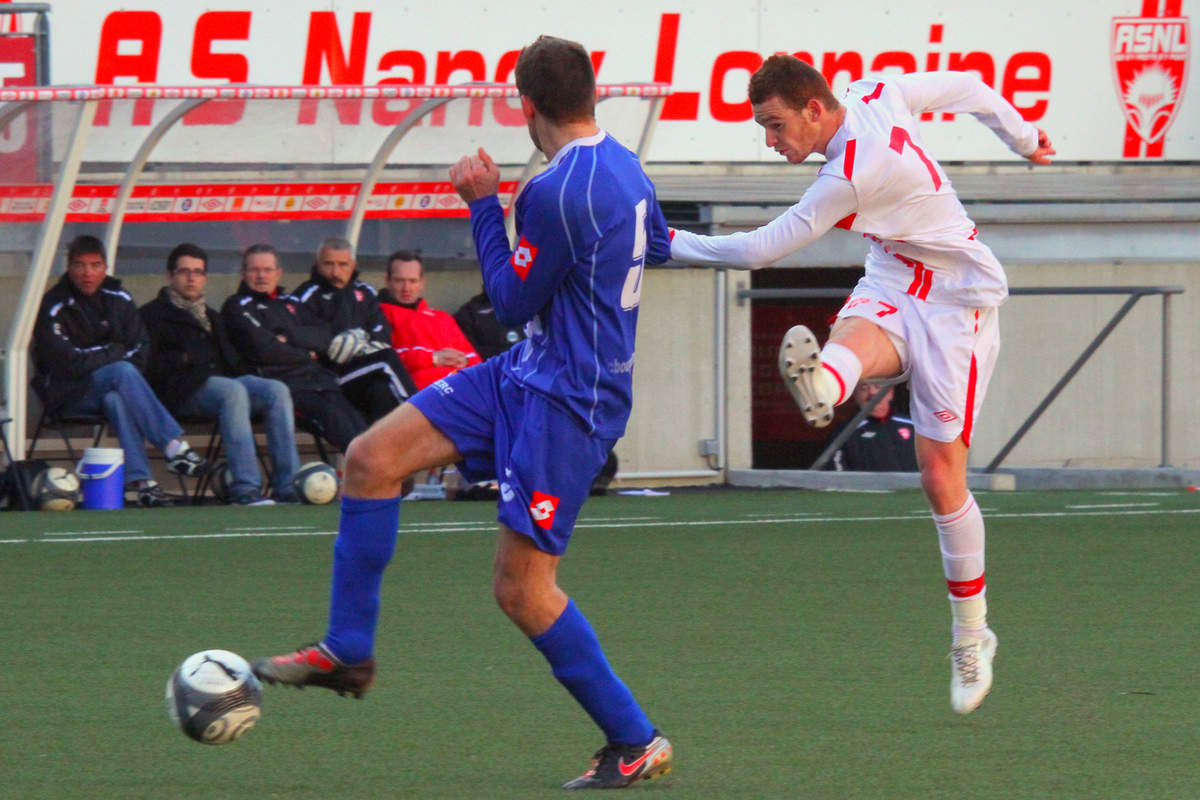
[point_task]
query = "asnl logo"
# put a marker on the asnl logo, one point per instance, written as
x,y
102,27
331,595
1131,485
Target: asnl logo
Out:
x,y
1150,63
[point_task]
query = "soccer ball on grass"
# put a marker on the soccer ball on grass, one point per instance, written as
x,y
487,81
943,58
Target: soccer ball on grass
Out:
x,y
316,483
56,489
214,697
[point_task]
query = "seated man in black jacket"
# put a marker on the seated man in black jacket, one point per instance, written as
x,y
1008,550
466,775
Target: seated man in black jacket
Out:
x,y
369,371
489,337
89,349
196,371
279,338
882,441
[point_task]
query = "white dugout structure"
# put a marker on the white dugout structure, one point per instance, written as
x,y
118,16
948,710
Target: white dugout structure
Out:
x,y
1127,230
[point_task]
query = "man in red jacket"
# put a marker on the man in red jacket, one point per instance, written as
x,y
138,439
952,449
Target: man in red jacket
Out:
x,y
428,341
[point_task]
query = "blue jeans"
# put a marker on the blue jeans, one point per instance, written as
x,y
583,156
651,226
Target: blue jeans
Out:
x,y
234,401
120,392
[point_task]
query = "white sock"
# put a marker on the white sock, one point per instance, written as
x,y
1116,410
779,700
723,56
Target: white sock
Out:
x,y
844,366
175,447
961,539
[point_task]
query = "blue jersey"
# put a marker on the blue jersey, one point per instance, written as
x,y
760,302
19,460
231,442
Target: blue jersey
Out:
x,y
586,228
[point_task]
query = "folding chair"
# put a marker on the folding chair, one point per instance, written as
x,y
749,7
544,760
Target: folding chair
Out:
x,y
212,452
61,424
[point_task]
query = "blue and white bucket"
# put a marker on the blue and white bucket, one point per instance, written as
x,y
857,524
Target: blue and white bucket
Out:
x,y
102,473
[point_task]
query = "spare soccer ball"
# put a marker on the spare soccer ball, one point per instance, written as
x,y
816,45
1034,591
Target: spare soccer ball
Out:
x,y
346,345
214,697
222,479
56,489
316,483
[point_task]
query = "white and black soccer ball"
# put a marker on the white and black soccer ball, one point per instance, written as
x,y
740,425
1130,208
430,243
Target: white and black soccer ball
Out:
x,y
345,345
221,480
56,489
214,697
316,483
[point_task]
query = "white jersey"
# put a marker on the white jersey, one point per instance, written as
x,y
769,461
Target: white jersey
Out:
x,y
878,180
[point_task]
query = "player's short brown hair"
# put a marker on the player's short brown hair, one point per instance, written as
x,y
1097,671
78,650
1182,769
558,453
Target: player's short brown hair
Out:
x,y
557,76
793,81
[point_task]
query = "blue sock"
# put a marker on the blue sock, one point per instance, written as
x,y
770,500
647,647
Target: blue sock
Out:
x,y
571,647
365,542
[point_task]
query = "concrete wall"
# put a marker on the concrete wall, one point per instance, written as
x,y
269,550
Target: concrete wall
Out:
x,y
1108,416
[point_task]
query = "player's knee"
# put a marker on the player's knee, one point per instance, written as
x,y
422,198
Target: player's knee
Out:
x,y
512,595
506,593
370,466
944,485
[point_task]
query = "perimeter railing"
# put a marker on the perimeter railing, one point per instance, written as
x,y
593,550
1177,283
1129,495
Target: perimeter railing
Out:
x,y
1132,293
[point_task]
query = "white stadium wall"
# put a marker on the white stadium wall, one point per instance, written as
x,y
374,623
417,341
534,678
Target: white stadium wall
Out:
x,y
1069,66
1110,80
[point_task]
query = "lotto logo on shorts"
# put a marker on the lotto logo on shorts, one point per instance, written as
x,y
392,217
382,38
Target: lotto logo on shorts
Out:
x,y
542,509
522,258
946,416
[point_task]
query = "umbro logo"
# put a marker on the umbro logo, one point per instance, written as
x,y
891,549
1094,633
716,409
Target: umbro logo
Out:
x,y
945,416
522,258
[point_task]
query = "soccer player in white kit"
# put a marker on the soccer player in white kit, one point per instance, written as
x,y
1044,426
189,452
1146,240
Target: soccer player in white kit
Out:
x,y
926,307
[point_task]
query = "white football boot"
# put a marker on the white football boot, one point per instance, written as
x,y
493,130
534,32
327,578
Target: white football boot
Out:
x,y
971,672
813,388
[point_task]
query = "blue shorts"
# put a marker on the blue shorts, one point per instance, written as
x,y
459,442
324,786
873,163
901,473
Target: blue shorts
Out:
x,y
543,458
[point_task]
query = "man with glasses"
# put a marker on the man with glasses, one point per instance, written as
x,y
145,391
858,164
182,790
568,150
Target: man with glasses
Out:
x,y
196,371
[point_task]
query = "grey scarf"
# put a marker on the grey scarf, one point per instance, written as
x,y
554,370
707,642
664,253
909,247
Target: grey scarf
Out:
x,y
196,308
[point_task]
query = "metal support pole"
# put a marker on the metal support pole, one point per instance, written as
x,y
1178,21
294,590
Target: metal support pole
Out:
x,y
1063,381
16,371
1166,381
112,234
720,378
354,224
647,138
850,427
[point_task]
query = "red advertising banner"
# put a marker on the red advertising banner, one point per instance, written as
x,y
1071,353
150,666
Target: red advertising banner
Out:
x,y
243,201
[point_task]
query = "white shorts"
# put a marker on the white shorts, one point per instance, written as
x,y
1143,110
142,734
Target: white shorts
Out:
x,y
949,352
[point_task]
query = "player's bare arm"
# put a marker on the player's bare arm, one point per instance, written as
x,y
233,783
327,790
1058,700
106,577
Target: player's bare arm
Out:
x,y
475,176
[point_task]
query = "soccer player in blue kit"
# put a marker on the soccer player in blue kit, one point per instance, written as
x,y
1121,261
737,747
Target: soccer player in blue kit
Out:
x,y
540,418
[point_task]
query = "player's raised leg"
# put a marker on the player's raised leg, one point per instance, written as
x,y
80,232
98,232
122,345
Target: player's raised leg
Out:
x,y
525,585
822,378
377,462
960,530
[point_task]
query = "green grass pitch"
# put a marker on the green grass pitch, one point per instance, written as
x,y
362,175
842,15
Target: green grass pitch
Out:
x,y
791,644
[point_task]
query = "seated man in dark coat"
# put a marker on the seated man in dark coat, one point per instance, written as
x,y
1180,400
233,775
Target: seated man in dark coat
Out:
x,y
89,350
369,371
882,441
196,371
279,338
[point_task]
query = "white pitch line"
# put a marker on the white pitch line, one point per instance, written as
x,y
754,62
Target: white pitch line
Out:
x,y
662,524
13,541
86,533
263,528
1117,505
226,535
